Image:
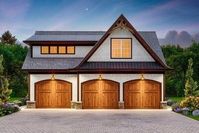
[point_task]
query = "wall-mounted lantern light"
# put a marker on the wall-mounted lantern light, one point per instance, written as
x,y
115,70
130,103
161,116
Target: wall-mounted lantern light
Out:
x,y
100,77
142,77
53,77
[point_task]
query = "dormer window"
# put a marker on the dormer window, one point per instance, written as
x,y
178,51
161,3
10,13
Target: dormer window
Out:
x,y
121,48
70,49
62,50
53,49
57,49
44,49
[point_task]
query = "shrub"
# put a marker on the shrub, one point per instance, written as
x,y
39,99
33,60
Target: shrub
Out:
x,y
170,102
176,108
21,102
8,108
190,102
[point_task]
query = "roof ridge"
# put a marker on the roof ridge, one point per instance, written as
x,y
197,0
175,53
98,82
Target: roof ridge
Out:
x,y
68,32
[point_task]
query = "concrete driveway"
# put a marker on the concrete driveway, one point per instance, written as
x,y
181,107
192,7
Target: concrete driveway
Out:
x,y
97,121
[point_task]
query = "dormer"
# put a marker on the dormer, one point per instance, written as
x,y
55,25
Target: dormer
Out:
x,y
61,44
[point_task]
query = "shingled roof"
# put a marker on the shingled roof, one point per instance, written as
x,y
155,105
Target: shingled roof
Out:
x,y
148,39
66,36
149,36
152,40
121,66
50,63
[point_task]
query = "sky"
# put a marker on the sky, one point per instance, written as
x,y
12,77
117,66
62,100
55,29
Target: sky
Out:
x,y
23,17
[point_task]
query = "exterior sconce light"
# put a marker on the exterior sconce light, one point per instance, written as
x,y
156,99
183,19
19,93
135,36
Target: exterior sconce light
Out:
x,y
53,77
142,77
100,77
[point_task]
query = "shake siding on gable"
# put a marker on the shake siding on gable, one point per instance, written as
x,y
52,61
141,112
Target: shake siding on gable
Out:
x,y
138,52
80,51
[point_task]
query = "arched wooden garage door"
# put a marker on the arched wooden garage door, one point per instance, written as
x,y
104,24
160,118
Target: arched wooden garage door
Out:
x,y
142,94
100,94
53,94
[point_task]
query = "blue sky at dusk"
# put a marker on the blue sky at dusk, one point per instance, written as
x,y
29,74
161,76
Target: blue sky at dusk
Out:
x,y
24,17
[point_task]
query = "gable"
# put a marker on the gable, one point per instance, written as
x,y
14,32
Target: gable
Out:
x,y
122,22
103,53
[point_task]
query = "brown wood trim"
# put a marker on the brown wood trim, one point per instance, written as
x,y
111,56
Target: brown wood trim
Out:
x,y
120,70
111,71
57,50
133,31
61,43
111,48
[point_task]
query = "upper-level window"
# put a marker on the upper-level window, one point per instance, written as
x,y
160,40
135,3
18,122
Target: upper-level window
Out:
x,y
44,49
53,49
70,49
62,50
121,48
57,49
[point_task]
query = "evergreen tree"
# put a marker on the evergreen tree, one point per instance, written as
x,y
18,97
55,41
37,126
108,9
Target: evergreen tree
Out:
x,y
190,85
4,91
7,38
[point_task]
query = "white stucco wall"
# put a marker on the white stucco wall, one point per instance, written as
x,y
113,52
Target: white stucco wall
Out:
x,y
121,78
66,77
80,51
138,51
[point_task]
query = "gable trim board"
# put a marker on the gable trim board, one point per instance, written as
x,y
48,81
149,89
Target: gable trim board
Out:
x,y
125,23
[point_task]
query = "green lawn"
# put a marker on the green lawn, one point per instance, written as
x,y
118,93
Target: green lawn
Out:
x,y
176,99
194,117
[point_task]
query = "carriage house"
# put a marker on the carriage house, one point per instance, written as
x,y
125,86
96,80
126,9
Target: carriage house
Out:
x,y
117,68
